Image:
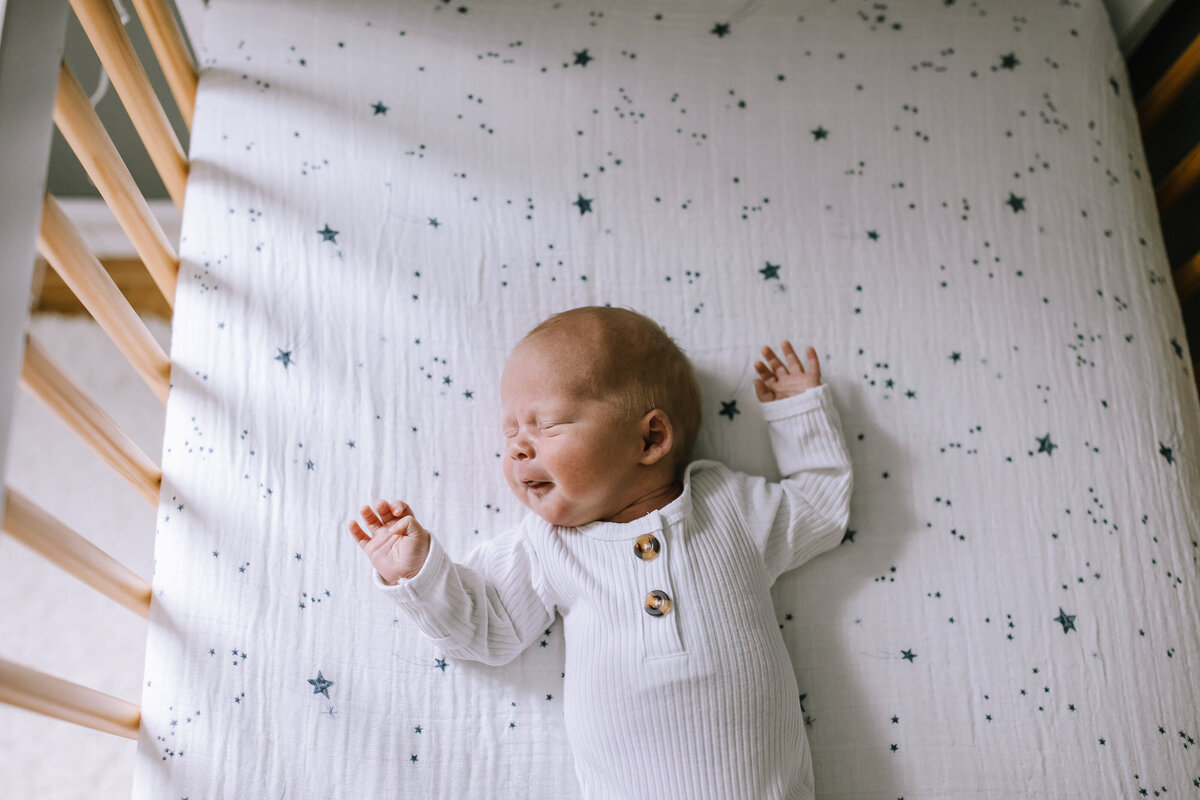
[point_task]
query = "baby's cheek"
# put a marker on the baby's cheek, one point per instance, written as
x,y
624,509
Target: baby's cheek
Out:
x,y
508,478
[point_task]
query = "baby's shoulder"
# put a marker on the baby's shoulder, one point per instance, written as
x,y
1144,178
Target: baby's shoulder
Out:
x,y
716,485
706,474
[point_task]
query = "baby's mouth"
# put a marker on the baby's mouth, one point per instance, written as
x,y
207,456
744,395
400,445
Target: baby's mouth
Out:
x,y
537,486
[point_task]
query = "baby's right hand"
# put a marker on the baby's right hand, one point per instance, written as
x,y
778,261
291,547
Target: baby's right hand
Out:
x,y
397,544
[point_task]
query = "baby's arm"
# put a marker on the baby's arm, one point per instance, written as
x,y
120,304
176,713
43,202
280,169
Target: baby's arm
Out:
x,y
806,513
485,609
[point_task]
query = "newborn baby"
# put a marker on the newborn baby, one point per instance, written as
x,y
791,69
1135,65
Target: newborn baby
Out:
x,y
677,682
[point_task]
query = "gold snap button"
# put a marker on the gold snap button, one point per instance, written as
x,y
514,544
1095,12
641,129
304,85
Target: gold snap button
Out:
x,y
658,603
646,547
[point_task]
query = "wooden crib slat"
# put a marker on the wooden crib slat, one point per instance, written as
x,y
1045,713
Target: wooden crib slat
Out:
x,y
60,243
1187,278
103,27
1181,180
167,41
81,127
54,697
1166,91
52,540
42,377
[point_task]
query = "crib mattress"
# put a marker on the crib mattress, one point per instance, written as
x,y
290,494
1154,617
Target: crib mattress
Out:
x,y
949,200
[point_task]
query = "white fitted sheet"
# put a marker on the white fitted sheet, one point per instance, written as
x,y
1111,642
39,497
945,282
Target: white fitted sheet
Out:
x,y
948,200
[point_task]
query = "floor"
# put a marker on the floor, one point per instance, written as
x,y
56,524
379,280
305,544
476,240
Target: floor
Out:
x,y
53,622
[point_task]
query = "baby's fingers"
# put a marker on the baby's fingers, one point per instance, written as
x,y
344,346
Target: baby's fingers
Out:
x,y
370,517
773,362
814,366
384,509
793,360
359,534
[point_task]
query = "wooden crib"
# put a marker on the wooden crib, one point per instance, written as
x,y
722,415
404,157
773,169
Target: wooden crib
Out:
x,y
29,96
35,50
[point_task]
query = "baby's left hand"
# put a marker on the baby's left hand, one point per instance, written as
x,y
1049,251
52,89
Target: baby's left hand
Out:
x,y
779,379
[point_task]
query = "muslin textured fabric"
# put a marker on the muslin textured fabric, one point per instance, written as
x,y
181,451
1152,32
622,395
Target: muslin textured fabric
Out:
x,y
949,201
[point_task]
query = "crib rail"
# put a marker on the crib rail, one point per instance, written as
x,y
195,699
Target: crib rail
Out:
x,y
104,30
1161,100
81,127
41,532
42,378
27,688
61,244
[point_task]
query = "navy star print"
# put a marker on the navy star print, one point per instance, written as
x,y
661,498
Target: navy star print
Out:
x,y
320,684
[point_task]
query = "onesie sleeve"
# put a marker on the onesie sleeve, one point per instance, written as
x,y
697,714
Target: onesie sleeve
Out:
x,y
806,513
487,608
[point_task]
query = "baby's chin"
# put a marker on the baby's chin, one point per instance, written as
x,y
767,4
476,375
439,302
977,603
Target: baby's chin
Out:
x,y
553,515
548,510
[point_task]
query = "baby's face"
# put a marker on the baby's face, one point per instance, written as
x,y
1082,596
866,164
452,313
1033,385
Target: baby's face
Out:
x,y
568,458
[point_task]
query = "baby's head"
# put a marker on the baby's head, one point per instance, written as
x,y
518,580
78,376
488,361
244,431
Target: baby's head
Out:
x,y
600,407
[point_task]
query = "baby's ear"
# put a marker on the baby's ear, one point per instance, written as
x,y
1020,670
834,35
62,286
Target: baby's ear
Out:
x,y
658,436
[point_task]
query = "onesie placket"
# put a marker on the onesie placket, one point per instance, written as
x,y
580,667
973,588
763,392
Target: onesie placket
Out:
x,y
658,605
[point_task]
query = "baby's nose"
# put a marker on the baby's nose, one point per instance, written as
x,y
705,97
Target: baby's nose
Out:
x,y
519,448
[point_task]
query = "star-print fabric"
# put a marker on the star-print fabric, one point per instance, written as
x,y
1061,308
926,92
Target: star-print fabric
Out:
x,y
948,199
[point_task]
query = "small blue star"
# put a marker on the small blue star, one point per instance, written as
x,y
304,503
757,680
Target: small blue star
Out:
x,y
1009,61
441,664
908,655
770,271
1066,620
819,133
380,108
729,409
1166,453
1045,445
582,58
584,203
320,684
328,234
284,357
1017,203
433,221
720,29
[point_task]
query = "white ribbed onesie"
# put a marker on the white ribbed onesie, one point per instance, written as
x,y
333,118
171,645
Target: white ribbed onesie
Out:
x,y
700,702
